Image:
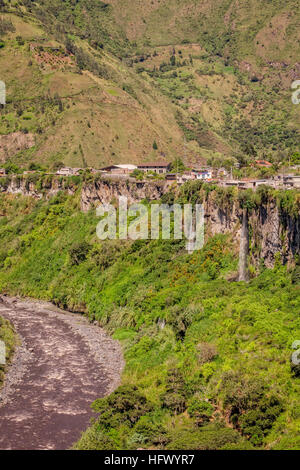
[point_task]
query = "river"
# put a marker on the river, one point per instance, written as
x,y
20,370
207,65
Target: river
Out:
x,y
63,364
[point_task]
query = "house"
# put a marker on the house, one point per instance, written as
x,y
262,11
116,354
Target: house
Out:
x,y
171,177
29,172
263,164
203,174
94,171
222,173
2,172
160,168
68,171
233,183
125,169
186,176
292,181
252,184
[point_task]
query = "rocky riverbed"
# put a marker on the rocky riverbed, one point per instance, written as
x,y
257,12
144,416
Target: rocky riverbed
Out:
x,y
62,365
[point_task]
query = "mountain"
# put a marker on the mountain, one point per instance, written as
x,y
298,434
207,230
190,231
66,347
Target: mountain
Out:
x,y
92,83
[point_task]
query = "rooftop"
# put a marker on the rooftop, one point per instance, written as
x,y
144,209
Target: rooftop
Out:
x,y
154,164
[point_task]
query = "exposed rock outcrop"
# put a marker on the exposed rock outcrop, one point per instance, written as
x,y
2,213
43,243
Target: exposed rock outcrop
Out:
x,y
272,231
13,143
106,191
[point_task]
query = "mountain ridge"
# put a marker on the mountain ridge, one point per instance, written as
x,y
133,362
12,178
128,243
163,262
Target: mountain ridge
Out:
x,y
203,95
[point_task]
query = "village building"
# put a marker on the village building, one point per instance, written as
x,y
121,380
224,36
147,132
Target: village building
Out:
x,y
291,181
125,169
29,172
186,176
247,183
160,168
263,164
171,177
67,171
233,183
222,173
252,184
203,173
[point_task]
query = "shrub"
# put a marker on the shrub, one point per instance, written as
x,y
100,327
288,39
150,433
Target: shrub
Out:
x,y
200,410
125,406
206,438
95,439
150,431
251,409
207,352
78,253
175,395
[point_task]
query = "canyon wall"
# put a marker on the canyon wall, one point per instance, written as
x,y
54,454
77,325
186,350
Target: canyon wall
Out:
x,y
106,191
93,193
268,231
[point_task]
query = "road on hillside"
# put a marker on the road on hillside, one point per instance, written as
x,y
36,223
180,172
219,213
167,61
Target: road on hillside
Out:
x,y
63,364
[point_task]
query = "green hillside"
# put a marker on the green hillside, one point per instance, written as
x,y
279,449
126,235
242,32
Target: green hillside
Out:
x,y
208,361
94,83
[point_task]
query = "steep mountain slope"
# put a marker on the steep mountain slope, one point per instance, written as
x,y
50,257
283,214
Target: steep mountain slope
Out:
x,y
80,116
237,28
206,80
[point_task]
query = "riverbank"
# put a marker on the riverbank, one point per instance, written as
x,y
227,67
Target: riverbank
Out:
x,y
9,337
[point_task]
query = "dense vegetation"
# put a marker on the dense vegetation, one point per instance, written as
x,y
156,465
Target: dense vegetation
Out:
x,y
208,361
8,336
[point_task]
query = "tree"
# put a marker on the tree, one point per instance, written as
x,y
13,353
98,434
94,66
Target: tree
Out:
x,y
178,166
57,166
79,252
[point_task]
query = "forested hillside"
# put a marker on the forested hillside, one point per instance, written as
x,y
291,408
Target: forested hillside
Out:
x,y
94,83
208,360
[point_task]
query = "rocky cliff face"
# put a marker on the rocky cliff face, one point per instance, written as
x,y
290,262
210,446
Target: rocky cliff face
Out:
x,y
271,231
29,187
92,194
274,231
106,191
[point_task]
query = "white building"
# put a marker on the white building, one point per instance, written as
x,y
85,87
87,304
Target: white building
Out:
x,y
205,174
67,171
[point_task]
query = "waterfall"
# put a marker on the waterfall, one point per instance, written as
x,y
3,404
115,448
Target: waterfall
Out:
x,y
244,248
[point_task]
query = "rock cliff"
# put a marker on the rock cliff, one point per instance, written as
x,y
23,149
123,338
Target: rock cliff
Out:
x,y
272,231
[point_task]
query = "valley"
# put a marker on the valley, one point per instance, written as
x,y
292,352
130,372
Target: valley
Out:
x,y
146,343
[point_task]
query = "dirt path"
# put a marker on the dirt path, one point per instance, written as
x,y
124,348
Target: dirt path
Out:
x,y
63,364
